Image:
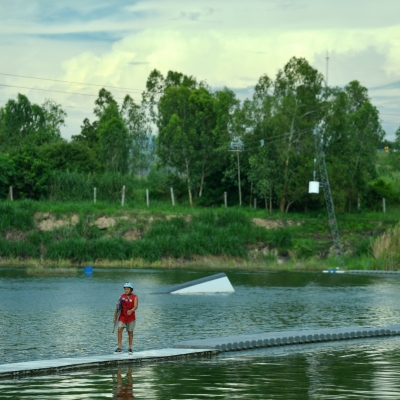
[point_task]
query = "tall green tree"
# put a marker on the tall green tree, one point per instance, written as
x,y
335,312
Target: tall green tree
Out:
x,y
177,140
203,107
102,102
113,140
297,104
54,117
351,133
185,114
89,135
141,153
282,114
24,123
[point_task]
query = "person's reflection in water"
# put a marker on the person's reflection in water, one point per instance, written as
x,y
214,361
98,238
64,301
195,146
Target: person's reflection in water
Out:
x,y
123,385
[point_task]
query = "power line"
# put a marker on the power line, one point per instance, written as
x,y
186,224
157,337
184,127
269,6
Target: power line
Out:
x,y
397,115
114,87
78,83
57,91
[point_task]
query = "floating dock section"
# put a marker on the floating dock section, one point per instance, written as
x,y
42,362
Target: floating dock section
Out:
x,y
360,272
217,283
245,342
199,348
63,364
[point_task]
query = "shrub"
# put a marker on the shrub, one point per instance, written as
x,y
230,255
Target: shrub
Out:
x,y
282,239
306,249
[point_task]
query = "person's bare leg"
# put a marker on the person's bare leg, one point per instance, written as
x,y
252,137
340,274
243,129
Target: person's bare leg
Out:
x,y
130,336
120,330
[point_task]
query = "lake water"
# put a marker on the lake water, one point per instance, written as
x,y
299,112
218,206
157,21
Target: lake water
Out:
x,y
51,317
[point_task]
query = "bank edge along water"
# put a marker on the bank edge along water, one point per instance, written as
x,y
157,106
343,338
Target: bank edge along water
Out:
x,y
73,234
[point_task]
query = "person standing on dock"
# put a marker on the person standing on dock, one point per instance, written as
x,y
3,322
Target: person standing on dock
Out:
x,y
125,315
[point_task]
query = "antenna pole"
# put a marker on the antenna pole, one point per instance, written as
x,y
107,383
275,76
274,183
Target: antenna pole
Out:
x,y
327,69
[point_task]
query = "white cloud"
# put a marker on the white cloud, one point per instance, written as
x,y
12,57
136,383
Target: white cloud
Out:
x,y
228,43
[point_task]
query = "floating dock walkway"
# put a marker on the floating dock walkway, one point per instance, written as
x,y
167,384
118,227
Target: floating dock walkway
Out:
x,y
360,272
62,364
199,348
245,342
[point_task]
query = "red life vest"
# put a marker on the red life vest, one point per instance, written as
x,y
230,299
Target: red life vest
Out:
x,y
127,303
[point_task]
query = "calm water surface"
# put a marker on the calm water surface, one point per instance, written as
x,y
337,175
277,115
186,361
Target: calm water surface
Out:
x,y
51,317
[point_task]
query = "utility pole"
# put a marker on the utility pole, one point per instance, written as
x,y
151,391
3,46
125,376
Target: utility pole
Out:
x,y
237,147
240,186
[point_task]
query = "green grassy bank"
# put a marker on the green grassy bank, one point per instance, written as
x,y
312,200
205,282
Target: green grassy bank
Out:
x,y
51,234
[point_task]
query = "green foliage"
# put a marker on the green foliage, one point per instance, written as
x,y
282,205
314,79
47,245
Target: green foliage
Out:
x,y
305,249
17,215
207,234
24,123
195,129
86,228
352,133
183,233
142,143
7,170
18,249
364,248
54,118
88,135
76,186
282,239
109,249
113,140
377,190
31,174
75,249
157,180
73,156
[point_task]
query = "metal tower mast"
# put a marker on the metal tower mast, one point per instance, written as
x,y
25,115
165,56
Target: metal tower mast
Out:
x,y
324,182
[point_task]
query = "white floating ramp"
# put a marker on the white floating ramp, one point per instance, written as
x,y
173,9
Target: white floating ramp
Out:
x,y
218,283
62,364
270,339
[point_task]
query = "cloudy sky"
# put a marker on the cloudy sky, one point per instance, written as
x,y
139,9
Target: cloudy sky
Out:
x,y
226,43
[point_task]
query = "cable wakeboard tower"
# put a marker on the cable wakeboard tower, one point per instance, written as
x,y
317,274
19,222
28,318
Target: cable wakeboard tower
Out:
x,y
324,182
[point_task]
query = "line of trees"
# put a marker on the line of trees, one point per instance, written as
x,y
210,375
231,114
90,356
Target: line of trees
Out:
x,y
182,131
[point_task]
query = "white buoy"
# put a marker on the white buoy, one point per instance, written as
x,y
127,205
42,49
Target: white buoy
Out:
x,y
313,187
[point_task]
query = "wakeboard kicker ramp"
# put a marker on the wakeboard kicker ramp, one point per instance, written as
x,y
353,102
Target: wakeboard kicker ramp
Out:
x,y
217,283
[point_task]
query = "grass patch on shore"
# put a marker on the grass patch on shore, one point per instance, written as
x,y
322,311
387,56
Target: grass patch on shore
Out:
x,y
188,235
228,234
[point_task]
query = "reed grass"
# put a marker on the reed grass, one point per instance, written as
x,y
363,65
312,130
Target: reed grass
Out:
x,y
77,186
386,249
18,249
